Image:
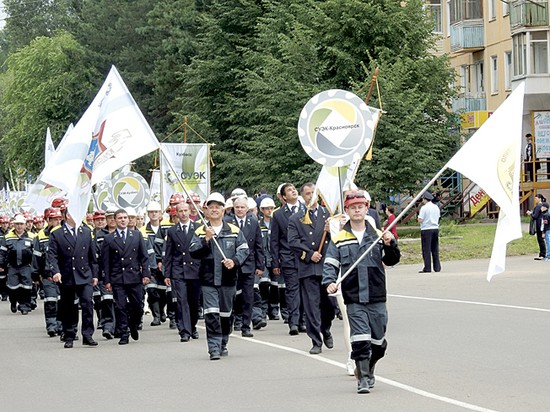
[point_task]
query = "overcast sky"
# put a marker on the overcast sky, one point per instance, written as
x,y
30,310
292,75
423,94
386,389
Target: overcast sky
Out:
x,y
2,14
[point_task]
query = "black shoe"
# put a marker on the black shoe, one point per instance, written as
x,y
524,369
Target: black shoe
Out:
x,y
247,334
24,312
163,318
214,355
155,322
107,335
273,317
238,327
539,258
195,335
329,342
13,307
68,344
134,334
302,328
315,350
140,326
89,342
123,341
172,324
293,331
224,352
184,338
51,333
424,271
260,324
4,298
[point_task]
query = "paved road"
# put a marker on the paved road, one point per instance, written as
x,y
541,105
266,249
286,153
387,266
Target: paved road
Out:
x,y
456,342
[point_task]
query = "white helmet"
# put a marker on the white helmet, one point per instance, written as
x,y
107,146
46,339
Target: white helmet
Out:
x,y
267,202
130,211
215,197
153,206
238,193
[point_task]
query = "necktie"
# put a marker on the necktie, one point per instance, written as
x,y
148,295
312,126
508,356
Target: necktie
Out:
x,y
313,214
74,232
293,208
184,230
122,236
241,224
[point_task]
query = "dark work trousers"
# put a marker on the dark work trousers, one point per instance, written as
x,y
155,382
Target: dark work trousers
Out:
x,y
128,307
20,287
187,293
430,249
292,294
244,299
542,243
218,305
68,310
319,311
51,296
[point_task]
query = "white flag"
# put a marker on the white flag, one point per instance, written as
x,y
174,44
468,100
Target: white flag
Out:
x,y
330,184
492,158
111,133
49,148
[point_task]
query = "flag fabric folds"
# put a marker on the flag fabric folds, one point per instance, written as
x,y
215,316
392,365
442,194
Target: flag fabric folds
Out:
x,y
111,133
49,148
492,158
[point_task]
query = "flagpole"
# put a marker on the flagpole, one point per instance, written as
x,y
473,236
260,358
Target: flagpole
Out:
x,y
193,203
397,219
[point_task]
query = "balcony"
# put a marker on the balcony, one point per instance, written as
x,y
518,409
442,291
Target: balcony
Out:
x,y
528,13
467,35
471,102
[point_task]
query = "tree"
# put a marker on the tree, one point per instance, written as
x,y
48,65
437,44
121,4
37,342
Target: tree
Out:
x,y
48,83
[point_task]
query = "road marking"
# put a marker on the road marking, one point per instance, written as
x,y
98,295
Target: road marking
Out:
x,y
390,382
469,302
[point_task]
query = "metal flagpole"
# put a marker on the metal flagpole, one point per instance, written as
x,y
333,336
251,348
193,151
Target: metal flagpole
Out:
x,y
187,194
411,204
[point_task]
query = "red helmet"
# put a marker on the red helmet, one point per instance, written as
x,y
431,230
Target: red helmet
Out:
x,y
60,202
55,213
38,219
98,214
193,197
28,216
176,198
4,219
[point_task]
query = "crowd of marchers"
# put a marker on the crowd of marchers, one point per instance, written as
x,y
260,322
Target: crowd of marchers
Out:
x,y
238,263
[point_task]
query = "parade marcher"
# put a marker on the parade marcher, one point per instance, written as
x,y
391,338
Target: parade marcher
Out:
x,y
140,219
41,272
308,237
218,275
249,271
364,290
16,260
110,219
125,264
181,272
196,199
72,262
132,218
155,232
429,233
284,262
103,298
271,286
4,229
38,223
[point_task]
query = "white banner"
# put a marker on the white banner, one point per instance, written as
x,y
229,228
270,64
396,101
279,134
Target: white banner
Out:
x,y
191,163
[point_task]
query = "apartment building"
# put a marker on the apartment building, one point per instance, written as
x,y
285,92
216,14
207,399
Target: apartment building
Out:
x,y
493,45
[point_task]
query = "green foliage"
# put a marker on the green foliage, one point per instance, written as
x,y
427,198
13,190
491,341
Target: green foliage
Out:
x,y
47,84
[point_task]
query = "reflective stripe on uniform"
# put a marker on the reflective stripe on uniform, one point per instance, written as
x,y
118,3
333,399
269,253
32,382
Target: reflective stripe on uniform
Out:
x,y
107,296
360,338
211,310
378,342
37,253
332,262
225,314
51,299
20,286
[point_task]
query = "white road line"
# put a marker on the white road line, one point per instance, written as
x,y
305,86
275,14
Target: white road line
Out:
x,y
378,378
469,302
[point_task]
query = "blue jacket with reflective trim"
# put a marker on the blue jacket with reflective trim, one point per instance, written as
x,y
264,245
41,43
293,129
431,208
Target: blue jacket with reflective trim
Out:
x,y
367,282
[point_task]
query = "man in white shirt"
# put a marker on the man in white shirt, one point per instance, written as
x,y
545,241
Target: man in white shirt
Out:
x,y
429,233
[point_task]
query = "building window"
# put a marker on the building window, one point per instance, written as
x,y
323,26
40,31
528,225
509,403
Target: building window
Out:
x,y
448,18
434,9
492,9
520,54
464,79
505,8
539,52
479,82
530,53
508,70
494,75
462,10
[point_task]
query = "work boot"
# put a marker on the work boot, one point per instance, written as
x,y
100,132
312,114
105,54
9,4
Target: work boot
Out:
x,y
362,374
155,311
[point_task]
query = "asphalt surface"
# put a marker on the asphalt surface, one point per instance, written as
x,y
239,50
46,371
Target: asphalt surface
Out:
x,y
456,342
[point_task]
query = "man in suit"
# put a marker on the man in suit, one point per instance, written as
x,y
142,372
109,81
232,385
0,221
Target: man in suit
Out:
x,y
125,265
181,272
252,267
308,237
72,261
284,262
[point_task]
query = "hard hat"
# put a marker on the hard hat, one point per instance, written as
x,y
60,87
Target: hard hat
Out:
x,y
38,219
153,206
55,213
60,202
229,203
267,202
251,203
19,219
215,197
193,197
238,193
130,211
99,214
176,198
